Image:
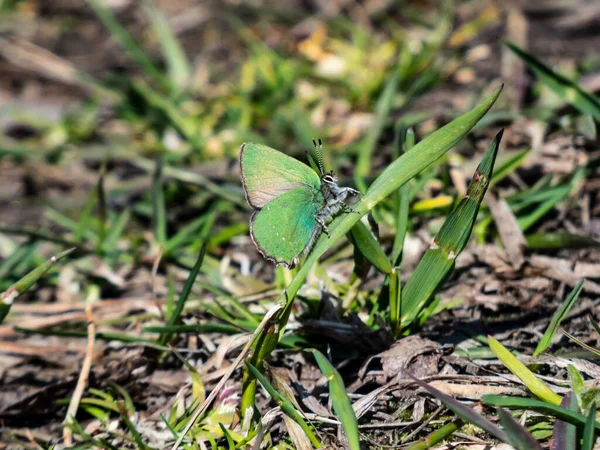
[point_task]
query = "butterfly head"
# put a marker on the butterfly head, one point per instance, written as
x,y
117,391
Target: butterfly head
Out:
x,y
330,178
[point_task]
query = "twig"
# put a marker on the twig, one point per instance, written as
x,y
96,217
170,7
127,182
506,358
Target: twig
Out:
x,y
83,377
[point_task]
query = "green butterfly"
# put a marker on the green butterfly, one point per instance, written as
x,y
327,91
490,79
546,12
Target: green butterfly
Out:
x,y
292,202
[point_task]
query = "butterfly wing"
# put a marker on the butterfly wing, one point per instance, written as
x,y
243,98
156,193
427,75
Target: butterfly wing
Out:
x,y
286,227
267,173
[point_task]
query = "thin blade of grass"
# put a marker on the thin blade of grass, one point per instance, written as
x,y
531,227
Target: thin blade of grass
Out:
x,y
187,288
567,89
8,297
464,412
159,212
588,430
539,406
439,259
286,406
565,434
594,324
116,230
579,342
559,240
187,176
402,197
577,383
100,192
341,403
519,436
185,124
533,383
183,296
395,287
508,166
437,436
177,63
366,243
557,318
382,112
124,39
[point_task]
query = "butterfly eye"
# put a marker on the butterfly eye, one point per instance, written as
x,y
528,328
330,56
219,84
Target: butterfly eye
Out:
x,y
330,178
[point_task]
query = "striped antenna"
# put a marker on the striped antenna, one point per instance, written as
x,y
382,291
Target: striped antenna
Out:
x,y
319,150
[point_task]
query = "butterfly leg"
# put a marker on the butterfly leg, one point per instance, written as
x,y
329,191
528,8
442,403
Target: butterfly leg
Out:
x,y
321,222
349,209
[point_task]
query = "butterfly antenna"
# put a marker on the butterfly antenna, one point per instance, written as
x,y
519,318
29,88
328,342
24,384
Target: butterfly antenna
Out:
x,y
319,150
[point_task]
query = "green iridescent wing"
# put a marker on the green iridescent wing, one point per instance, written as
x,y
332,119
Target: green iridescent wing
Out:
x,y
267,173
285,228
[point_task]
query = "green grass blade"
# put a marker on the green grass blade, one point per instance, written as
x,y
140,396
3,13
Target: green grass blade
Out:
x,y
539,406
187,288
286,406
519,436
438,261
341,403
116,230
437,436
564,433
534,384
567,89
558,316
85,218
177,63
582,344
464,412
382,112
20,255
594,324
559,240
588,430
101,193
159,213
364,240
395,175
527,221
507,166
8,297
187,176
576,379
403,197
395,288
186,125
124,39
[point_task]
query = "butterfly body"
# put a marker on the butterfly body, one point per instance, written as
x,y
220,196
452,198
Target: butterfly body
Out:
x,y
292,202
